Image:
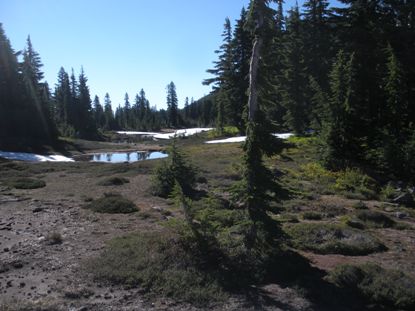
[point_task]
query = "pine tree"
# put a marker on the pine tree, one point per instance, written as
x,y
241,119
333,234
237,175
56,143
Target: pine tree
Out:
x,y
10,90
222,82
341,145
241,56
127,112
172,104
258,182
40,125
294,75
99,115
109,114
86,126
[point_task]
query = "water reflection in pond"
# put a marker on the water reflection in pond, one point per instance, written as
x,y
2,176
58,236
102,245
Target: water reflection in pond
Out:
x,y
121,157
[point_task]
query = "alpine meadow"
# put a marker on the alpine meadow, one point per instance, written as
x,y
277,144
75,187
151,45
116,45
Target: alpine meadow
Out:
x,y
289,185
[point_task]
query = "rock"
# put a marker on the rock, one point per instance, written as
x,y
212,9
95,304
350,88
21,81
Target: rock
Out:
x,y
404,199
401,215
38,209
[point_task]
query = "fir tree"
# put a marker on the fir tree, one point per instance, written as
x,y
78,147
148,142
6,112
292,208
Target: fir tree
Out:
x,y
40,125
341,145
99,115
172,104
86,126
295,76
258,183
109,114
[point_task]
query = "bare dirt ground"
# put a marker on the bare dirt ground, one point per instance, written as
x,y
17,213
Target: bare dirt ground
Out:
x,y
36,274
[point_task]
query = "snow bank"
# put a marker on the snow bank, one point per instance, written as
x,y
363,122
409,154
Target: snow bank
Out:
x,y
240,139
31,157
136,133
182,133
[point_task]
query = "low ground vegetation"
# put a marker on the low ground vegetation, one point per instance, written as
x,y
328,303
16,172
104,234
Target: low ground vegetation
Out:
x,y
112,203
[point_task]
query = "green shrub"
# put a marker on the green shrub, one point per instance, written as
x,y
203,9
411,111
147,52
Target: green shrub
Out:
x,y
228,131
112,204
161,263
359,205
354,182
25,183
333,239
113,181
388,192
312,215
375,219
290,218
385,287
315,171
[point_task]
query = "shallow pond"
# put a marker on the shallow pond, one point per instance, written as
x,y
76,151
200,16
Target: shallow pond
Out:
x,y
121,157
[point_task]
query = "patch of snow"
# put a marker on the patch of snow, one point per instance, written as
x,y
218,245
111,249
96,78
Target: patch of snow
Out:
x,y
182,133
283,135
31,157
240,139
136,133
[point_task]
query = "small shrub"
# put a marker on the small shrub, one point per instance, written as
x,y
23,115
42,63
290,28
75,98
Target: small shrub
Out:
x,y
354,223
375,219
25,183
112,204
312,216
54,238
359,205
388,192
333,239
377,285
354,183
113,181
315,171
290,218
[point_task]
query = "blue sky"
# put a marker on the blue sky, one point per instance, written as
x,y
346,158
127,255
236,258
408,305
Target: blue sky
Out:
x,y
125,45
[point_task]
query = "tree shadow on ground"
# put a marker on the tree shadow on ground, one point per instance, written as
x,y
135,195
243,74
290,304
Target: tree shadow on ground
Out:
x,y
292,270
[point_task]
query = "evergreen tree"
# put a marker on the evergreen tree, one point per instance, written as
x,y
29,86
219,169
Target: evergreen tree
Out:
x,y
172,104
86,126
241,56
109,114
341,145
127,112
40,126
223,76
294,75
10,90
99,115
258,182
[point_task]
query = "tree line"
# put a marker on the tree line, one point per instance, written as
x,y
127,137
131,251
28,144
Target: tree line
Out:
x,y
31,113
346,73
